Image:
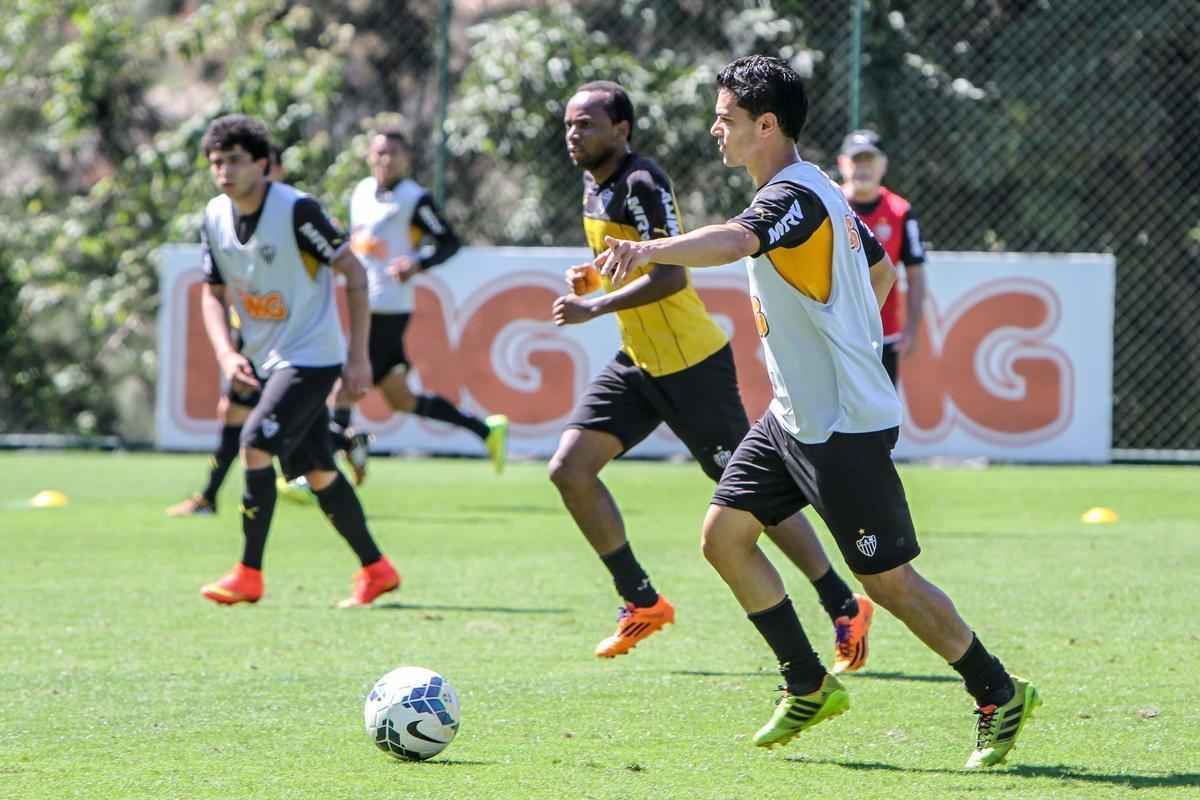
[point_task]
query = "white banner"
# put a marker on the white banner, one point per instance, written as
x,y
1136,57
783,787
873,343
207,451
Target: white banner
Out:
x,y
1014,362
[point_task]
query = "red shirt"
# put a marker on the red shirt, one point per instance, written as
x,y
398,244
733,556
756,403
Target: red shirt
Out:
x,y
891,219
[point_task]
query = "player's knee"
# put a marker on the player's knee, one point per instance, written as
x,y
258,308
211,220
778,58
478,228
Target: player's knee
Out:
x,y
891,588
565,473
719,537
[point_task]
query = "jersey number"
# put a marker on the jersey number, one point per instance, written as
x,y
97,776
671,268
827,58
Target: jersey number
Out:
x,y
852,233
760,319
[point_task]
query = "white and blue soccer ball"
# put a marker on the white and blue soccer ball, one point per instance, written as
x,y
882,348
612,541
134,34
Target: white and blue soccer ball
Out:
x,y
412,713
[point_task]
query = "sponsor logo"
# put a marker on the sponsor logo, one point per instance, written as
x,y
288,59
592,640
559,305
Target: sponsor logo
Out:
x,y
866,543
760,319
270,426
988,366
318,241
414,730
640,220
268,307
433,223
671,220
789,220
883,231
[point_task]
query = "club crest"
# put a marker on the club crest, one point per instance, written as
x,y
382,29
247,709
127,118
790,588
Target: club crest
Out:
x,y
866,543
267,251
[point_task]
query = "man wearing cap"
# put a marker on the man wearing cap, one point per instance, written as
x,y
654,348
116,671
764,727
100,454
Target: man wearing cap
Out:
x,y
863,164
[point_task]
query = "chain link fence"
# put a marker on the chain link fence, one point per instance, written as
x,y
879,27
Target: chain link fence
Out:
x,y
1053,126
1022,125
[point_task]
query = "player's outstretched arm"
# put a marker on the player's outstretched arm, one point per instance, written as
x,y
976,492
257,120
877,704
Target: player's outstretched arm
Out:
x,y
710,246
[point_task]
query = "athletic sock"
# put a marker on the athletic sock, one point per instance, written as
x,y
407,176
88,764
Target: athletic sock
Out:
x,y
258,506
436,407
986,679
341,505
220,461
633,584
836,597
798,663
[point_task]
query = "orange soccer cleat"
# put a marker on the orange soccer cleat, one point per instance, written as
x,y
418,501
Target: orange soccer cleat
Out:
x,y
851,641
634,624
241,584
372,581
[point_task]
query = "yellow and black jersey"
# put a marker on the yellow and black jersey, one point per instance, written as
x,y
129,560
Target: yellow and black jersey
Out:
x,y
637,203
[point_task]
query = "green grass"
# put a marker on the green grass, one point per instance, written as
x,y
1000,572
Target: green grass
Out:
x,y
117,680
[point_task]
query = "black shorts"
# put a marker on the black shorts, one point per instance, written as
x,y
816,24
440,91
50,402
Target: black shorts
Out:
x,y
291,420
891,361
700,404
850,480
386,344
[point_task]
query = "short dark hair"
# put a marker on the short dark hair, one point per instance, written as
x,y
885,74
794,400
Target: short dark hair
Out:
x,y
765,84
395,133
618,106
226,132
276,154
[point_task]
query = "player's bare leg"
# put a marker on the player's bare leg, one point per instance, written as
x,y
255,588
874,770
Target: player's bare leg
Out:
x,y
575,471
923,607
796,539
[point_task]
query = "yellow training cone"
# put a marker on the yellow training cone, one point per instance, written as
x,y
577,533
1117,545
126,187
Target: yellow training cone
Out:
x,y
1099,516
49,498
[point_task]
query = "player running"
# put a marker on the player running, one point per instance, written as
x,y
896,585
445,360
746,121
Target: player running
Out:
x,y
675,366
817,280
392,217
269,251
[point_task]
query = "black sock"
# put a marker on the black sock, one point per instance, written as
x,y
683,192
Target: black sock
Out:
x,y
986,679
436,407
258,506
632,582
341,505
220,461
836,597
798,664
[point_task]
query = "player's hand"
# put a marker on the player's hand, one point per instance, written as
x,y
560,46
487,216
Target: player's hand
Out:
x,y
238,371
621,258
906,343
582,279
356,377
403,268
571,310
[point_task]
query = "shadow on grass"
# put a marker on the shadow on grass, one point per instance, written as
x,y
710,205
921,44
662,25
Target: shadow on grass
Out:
x,y
904,676
476,609
446,762
1060,772
880,676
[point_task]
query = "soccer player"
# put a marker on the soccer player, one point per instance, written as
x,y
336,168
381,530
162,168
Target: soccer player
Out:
x,y
675,366
817,280
232,409
890,217
397,233
270,252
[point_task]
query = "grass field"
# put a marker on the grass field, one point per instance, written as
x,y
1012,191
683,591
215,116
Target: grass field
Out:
x,y
117,680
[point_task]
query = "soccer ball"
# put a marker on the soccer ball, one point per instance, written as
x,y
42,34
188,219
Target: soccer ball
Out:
x,y
412,713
